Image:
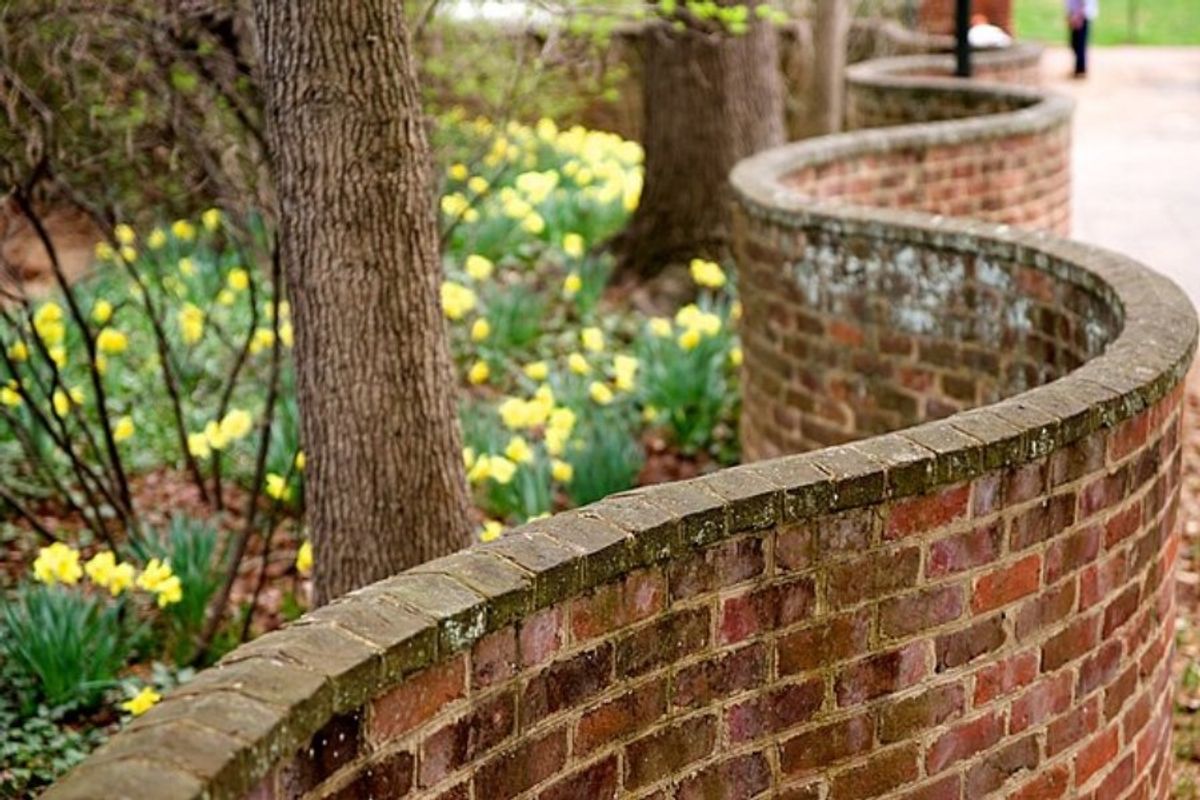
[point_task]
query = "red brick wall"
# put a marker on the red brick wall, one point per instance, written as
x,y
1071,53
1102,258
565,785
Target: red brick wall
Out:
x,y
1004,636
937,16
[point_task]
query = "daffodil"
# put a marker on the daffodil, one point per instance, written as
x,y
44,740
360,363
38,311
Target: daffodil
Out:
x,y
57,563
468,457
600,394
211,219
477,184
533,223
187,267
141,702
129,254
689,339
458,172
592,339
263,339
238,279
562,419
169,592
58,354
624,369
479,373
572,245
124,234
104,251
457,300
226,297
518,450
103,570
112,342
18,351
561,471
300,461
536,370
183,230
479,267
9,396
571,285
707,273
123,429
156,240
480,330
578,364
287,334
277,487
735,356
197,444
236,424
502,469
304,558
102,312
491,530
155,574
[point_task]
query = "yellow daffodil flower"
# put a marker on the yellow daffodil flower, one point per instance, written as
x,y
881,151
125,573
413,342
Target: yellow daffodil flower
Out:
x,y
57,563
123,429
624,369
592,339
689,339
238,279
157,240
707,273
480,330
211,219
561,471
571,285
572,245
501,469
124,234
304,558
478,267
735,356
518,450
457,300
112,342
600,394
142,702
479,373
277,488
102,312
536,370
183,230
492,530
578,364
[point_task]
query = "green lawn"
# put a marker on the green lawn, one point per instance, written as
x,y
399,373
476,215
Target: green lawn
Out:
x,y
1121,21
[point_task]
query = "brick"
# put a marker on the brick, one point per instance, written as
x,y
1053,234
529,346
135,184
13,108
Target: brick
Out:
x,y
829,641
738,778
1005,676
1024,483
872,576
919,611
964,551
1007,584
1118,692
1122,525
1100,668
948,787
1074,727
523,767
662,641
903,719
1072,552
1076,639
802,546
337,744
494,658
390,776
1118,612
724,564
417,699
1049,784
881,674
997,768
721,676
963,741
541,635
467,738
1042,522
927,513
599,781
1117,782
667,751
765,609
639,596
1096,754
774,711
962,647
628,713
1128,436
882,773
826,745
1045,611
566,683
1046,699
1102,493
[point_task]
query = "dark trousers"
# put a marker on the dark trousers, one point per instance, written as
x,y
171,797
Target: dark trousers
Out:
x,y
1079,37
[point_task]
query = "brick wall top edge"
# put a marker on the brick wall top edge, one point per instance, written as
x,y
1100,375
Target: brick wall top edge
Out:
x,y
269,697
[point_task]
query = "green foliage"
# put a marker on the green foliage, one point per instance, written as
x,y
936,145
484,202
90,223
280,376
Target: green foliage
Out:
x,y
605,457
72,644
686,381
190,546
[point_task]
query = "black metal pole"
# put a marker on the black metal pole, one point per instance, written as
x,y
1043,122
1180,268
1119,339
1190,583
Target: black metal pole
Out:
x,y
962,45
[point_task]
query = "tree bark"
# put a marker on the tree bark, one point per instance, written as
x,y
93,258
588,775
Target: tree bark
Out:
x,y
710,100
358,238
829,67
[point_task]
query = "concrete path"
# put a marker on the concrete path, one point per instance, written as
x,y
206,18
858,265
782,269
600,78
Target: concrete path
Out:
x,y
1137,154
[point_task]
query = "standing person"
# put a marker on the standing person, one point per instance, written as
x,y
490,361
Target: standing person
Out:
x,y
1080,14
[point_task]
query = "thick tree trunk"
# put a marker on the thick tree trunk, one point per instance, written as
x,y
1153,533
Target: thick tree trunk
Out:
x,y
358,237
829,67
710,101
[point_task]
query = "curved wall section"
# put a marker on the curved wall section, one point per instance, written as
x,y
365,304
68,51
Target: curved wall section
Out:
x,y
973,606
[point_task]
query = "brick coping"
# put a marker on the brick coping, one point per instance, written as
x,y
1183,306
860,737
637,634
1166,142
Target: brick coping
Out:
x,y
218,735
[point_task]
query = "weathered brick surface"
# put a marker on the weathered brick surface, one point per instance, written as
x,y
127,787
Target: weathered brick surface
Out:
x,y
972,607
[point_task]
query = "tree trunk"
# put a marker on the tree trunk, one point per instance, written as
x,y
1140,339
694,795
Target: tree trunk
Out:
x,y
710,100
829,67
358,238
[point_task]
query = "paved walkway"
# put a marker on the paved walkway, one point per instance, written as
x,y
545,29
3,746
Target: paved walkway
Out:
x,y
1137,154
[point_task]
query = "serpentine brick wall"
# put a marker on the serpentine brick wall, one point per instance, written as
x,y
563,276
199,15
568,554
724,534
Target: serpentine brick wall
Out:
x,y
966,607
